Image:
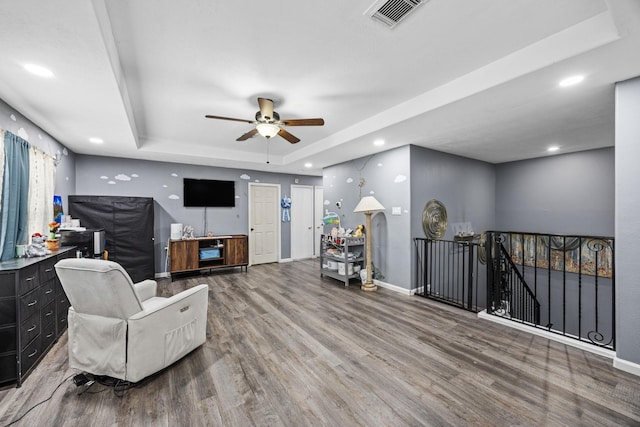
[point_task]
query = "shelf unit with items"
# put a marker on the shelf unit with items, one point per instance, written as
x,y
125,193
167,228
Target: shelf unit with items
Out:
x,y
342,258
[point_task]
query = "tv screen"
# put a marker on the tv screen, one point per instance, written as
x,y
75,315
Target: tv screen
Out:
x,y
209,193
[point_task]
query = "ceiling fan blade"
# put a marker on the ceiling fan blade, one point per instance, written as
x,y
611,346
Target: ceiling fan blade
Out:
x,y
286,135
248,135
266,108
303,122
230,118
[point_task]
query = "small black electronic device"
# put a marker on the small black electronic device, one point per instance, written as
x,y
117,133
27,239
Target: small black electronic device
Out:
x,y
89,242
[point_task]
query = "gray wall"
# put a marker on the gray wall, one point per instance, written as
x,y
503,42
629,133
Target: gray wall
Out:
x,y
627,230
466,187
406,178
109,176
386,177
562,194
16,123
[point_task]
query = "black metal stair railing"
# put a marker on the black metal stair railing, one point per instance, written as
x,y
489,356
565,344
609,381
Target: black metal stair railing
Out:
x,y
509,295
559,283
571,279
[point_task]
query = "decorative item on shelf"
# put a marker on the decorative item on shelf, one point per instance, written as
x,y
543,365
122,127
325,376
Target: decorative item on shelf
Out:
x,y
53,244
368,205
188,232
359,231
38,246
434,219
53,227
285,203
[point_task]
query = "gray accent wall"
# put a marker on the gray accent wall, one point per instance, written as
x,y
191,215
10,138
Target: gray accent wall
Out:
x,y
386,177
627,232
465,186
15,122
405,178
561,194
110,176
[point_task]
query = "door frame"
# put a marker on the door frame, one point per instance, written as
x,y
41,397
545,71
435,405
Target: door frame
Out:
x,y
250,210
317,221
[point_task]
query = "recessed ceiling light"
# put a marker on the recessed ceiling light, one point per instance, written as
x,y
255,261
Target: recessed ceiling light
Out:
x,y
553,148
96,140
378,142
308,165
570,81
38,70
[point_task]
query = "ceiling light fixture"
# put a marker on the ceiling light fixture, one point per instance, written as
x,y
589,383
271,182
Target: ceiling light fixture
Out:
x,y
268,130
378,142
38,70
96,140
308,165
553,148
570,81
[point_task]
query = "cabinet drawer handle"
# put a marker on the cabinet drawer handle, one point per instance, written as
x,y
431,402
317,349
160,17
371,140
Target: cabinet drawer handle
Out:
x,y
31,328
33,354
50,334
32,303
48,291
28,279
48,313
48,270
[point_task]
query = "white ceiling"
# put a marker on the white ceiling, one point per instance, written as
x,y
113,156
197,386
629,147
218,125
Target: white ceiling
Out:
x,y
476,78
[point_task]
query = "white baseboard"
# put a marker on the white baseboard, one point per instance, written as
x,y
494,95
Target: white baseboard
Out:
x,y
550,335
394,288
285,260
162,275
625,365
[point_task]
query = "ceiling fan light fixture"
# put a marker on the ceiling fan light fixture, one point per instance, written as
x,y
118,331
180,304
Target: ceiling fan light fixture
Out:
x,y
268,130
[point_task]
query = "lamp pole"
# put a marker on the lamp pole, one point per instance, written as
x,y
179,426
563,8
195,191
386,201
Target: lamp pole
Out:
x,y
368,284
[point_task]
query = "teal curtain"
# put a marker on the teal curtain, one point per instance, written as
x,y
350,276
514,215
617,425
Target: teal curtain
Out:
x,y
15,196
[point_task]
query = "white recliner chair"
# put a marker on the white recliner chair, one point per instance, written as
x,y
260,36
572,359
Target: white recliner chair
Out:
x,y
123,330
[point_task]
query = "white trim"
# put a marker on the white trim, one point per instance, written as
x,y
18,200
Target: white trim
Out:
x,y
625,365
549,335
285,260
162,275
391,287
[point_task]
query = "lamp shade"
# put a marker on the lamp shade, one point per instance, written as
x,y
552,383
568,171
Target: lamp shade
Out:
x,y
368,204
267,130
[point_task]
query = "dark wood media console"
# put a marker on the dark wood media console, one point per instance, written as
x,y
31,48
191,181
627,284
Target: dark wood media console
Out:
x,y
207,253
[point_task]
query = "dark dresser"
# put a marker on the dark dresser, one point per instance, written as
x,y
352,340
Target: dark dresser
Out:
x,y
33,313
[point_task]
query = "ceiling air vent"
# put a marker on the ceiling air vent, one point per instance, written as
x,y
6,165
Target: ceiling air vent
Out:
x,y
391,12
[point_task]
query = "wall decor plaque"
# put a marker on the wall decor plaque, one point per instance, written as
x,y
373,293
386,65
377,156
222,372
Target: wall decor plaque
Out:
x,y
434,219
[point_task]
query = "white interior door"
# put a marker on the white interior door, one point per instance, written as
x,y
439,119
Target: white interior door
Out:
x,y
318,214
302,230
264,223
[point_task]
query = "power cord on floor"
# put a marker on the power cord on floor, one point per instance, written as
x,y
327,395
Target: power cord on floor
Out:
x,y
39,403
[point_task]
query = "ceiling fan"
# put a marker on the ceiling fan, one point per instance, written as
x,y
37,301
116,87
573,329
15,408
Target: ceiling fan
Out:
x,y
269,124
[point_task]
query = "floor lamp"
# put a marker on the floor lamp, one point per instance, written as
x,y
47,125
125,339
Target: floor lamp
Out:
x,y
368,205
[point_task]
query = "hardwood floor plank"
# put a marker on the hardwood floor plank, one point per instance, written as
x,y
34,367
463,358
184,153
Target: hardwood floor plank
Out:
x,y
286,347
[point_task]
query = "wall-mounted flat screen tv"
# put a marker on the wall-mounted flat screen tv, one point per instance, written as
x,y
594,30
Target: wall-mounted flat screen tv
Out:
x,y
209,193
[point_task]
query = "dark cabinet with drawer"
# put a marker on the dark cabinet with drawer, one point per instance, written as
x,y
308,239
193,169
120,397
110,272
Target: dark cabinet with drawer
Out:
x,y
33,313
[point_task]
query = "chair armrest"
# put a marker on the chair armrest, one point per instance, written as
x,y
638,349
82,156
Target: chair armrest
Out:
x,y
174,300
146,289
165,331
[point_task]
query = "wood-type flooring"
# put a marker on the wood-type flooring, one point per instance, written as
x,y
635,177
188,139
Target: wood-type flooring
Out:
x,y
288,348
